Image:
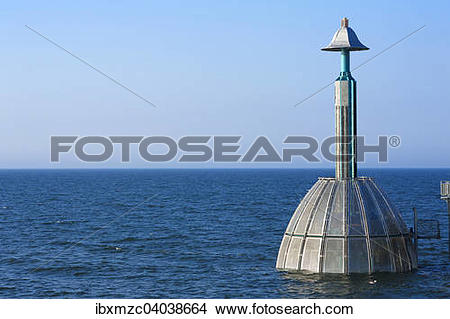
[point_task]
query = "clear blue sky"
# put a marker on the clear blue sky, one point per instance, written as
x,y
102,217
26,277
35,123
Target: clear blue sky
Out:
x,y
228,67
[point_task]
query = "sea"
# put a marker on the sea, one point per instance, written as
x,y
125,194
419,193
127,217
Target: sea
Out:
x,y
191,233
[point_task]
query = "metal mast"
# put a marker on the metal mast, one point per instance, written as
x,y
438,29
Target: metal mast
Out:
x,y
345,40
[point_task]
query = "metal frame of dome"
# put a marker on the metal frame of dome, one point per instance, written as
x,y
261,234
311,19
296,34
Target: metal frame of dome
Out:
x,y
346,224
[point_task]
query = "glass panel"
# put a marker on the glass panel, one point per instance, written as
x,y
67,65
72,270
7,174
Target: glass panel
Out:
x,y
372,215
310,260
412,253
293,254
282,252
380,255
391,222
335,223
354,214
334,255
401,223
301,207
399,254
316,227
358,261
397,214
304,218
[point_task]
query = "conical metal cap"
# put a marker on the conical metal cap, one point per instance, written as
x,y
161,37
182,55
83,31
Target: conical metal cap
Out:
x,y
345,38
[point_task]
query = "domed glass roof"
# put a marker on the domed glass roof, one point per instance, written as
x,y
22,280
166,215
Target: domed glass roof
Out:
x,y
346,226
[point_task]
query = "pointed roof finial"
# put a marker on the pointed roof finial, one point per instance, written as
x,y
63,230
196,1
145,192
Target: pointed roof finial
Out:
x,y
345,39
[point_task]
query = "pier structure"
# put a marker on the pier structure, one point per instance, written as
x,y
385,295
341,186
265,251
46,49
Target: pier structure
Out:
x,y
445,195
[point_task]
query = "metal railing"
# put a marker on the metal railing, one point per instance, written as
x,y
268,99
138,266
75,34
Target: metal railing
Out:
x,y
428,229
445,195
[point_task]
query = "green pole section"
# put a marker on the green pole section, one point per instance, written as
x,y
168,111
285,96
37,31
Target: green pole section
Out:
x,y
345,61
346,165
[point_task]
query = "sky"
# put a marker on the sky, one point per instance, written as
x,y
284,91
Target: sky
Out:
x,y
220,68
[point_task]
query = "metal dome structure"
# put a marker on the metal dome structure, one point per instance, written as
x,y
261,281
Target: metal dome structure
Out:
x,y
346,224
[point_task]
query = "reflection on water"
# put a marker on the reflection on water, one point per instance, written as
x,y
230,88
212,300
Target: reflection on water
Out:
x,y
380,285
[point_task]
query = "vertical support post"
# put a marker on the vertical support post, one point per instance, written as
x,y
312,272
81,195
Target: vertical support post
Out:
x,y
345,61
448,213
416,236
445,195
345,117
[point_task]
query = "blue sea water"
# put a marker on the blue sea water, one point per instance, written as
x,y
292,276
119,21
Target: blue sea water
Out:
x,y
189,233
